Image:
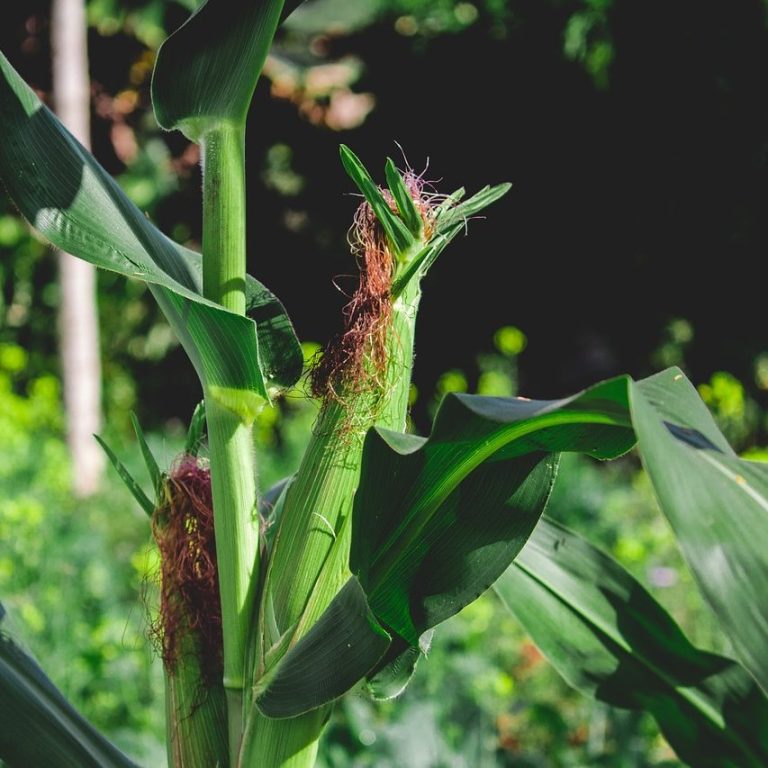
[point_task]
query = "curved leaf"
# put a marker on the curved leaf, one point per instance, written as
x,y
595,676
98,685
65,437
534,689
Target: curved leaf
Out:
x,y
610,639
717,505
393,673
437,520
207,70
340,648
39,726
74,203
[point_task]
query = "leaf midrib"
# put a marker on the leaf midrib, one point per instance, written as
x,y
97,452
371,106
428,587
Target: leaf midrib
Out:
x,y
414,523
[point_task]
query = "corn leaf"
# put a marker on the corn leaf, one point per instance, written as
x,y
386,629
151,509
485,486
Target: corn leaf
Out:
x,y
340,648
207,70
393,673
610,639
149,459
130,482
436,521
74,203
717,505
39,726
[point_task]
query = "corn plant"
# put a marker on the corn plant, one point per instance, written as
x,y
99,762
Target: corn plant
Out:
x,y
275,604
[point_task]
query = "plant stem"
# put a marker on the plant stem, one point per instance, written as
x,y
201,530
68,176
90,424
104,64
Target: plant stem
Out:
x,y
233,469
224,216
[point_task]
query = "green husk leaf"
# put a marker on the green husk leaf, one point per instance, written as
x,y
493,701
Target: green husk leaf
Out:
x,y
611,640
196,431
340,648
402,196
39,726
75,204
437,520
397,233
130,483
717,505
459,214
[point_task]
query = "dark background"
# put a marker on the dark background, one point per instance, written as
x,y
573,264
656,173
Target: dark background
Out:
x,y
638,162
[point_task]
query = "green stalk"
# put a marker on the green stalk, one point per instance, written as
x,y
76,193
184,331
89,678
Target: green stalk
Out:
x,y
233,469
224,216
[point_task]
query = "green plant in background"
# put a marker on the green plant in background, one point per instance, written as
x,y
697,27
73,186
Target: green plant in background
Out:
x,y
275,605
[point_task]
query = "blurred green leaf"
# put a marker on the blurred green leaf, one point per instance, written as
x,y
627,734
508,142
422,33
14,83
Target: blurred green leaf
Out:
x,y
610,639
716,503
39,726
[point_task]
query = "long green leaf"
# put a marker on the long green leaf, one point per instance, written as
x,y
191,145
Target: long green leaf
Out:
x,y
38,726
207,70
717,505
75,204
128,479
149,458
340,648
610,639
437,520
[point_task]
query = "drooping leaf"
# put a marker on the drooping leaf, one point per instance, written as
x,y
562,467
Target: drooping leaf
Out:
x,y
340,648
610,639
207,70
717,505
130,483
75,204
437,520
395,670
38,726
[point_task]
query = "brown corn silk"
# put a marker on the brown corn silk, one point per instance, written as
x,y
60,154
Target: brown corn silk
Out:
x,y
355,362
189,595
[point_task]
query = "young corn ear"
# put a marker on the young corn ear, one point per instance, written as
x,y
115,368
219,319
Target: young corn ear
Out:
x,y
363,380
188,629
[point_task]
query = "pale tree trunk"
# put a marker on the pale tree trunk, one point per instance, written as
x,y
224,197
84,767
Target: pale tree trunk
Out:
x,y
78,316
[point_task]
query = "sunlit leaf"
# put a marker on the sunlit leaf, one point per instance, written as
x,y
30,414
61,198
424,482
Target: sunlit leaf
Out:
x,y
717,505
73,202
